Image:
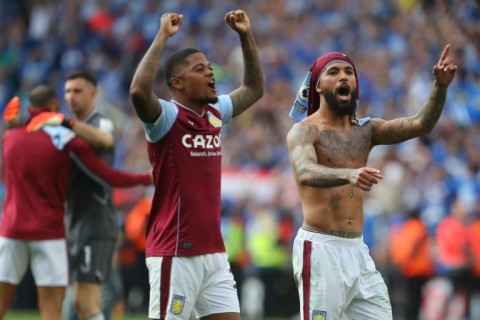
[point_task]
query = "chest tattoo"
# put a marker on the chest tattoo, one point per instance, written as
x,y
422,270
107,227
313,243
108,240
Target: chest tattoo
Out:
x,y
337,148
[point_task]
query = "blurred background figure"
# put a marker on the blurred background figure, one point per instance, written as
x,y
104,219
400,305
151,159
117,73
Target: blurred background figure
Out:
x,y
412,253
132,255
474,247
453,259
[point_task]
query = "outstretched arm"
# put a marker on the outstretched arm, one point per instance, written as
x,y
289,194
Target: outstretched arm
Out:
x,y
102,139
304,163
253,81
100,171
144,100
93,136
402,129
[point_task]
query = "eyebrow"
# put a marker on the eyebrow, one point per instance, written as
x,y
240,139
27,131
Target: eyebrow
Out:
x,y
347,67
209,65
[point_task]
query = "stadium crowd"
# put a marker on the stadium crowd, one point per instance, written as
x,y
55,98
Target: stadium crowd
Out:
x,y
394,44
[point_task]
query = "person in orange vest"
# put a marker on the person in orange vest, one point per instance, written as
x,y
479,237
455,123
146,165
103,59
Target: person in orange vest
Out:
x,y
473,236
136,222
453,256
132,253
411,251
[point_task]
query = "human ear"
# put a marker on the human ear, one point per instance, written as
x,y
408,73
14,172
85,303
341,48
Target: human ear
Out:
x,y
176,83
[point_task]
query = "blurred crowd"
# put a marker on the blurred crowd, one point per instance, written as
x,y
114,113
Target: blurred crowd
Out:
x,y
394,44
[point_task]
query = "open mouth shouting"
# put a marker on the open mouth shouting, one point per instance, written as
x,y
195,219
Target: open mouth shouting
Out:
x,y
344,92
211,85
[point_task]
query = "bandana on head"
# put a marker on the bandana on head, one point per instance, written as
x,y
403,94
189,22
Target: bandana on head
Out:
x,y
307,100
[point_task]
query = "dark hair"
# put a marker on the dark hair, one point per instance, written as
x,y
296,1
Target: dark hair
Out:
x,y
414,213
176,59
84,75
42,96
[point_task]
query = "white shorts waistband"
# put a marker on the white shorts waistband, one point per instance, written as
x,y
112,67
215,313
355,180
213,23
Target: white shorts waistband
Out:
x,y
320,237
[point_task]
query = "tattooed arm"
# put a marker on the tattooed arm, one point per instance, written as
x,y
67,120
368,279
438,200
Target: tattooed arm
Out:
x,y
143,98
253,82
402,129
304,163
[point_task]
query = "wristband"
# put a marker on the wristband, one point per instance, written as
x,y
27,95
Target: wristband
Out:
x,y
68,123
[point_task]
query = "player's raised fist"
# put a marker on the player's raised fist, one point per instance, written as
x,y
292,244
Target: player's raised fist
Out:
x,y
238,21
171,23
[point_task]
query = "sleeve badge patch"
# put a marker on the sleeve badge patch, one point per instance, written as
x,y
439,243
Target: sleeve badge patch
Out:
x,y
214,121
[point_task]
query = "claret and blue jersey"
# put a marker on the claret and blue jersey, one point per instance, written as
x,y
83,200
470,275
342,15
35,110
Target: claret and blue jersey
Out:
x,y
185,151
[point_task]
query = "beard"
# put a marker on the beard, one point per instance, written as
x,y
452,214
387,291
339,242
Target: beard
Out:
x,y
208,100
337,107
212,100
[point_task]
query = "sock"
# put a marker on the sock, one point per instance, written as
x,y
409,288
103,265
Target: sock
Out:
x,y
98,316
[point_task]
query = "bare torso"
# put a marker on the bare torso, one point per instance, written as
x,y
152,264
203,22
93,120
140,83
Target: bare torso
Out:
x,y
336,210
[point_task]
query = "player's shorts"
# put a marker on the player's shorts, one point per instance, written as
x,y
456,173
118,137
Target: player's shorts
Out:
x,y
337,279
93,262
48,261
202,283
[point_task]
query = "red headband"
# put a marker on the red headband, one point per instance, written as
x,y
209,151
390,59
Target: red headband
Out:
x,y
316,72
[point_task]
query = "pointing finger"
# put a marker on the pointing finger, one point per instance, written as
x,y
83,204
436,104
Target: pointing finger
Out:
x,y
444,55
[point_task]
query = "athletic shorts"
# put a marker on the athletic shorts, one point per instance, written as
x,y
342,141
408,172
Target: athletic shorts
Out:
x,y
93,262
48,261
202,283
337,279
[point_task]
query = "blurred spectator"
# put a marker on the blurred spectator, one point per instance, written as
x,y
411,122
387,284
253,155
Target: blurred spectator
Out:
x,y
269,235
133,255
233,232
474,247
452,257
411,251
